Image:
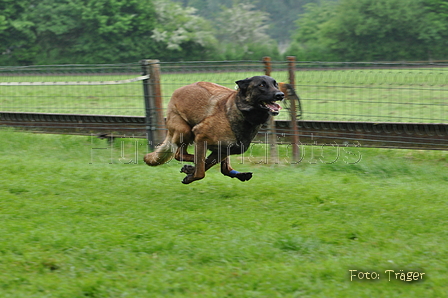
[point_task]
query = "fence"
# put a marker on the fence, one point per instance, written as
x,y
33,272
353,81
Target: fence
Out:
x,y
72,89
387,93
381,92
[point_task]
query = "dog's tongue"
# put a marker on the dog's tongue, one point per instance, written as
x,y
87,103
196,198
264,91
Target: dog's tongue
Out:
x,y
274,107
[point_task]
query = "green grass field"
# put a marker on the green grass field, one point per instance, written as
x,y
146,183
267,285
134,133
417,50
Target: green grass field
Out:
x,y
83,222
406,95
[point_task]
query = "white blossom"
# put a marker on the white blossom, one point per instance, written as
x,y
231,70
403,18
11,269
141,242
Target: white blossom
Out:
x,y
177,25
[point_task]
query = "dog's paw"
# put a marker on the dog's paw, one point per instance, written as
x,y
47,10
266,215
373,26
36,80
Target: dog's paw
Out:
x,y
187,169
188,179
244,176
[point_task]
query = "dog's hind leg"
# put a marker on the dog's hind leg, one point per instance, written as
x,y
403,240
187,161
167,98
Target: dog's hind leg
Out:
x,y
177,139
227,170
182,154
182,137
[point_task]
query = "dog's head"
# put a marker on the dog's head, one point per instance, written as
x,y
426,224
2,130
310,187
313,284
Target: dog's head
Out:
x,y
259,93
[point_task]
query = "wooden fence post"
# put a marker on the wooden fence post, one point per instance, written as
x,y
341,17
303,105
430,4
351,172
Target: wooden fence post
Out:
x,y
272,135
152,92
295,129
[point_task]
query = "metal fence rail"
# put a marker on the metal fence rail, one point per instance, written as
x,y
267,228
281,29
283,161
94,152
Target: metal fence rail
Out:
x,y
311,133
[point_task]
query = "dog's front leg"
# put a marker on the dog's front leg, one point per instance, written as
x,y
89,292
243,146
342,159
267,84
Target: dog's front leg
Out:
x,y
227,170
199,161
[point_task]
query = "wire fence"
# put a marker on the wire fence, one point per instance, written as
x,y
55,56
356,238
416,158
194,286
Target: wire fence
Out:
x,y
368,92
389,92
114,89
375,92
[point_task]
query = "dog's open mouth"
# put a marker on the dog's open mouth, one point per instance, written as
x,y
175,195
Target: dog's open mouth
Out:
x,y
274,108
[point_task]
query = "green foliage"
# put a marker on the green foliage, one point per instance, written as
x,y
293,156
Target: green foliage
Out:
x,y
376,30
369,30
77,31
182,33
241,25
103,31
242,33
112,31
56,26
16,37
436,30
438,6
250,51
307,45
312,20
117,30
177,25
282,13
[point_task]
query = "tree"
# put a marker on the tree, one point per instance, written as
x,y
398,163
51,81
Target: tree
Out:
x,y
180,31
99,31
114,31
76,31
56,29
436,28
372,30
16,34
241,24
242,33
308,42
281,13
375,30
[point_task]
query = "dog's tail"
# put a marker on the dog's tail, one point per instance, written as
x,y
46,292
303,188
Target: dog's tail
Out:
x,y
163,153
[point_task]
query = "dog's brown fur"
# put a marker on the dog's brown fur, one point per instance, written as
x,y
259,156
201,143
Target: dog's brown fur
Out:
x,y
215,118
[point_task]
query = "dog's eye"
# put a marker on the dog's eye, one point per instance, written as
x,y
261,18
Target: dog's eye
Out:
x,y
262,85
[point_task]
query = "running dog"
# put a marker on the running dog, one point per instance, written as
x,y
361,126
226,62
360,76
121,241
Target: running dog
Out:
x,y
218,119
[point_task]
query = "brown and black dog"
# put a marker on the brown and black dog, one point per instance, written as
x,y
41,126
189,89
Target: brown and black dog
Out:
x,y
218,119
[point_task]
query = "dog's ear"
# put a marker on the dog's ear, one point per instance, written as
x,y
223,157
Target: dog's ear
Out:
x,y
243,85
